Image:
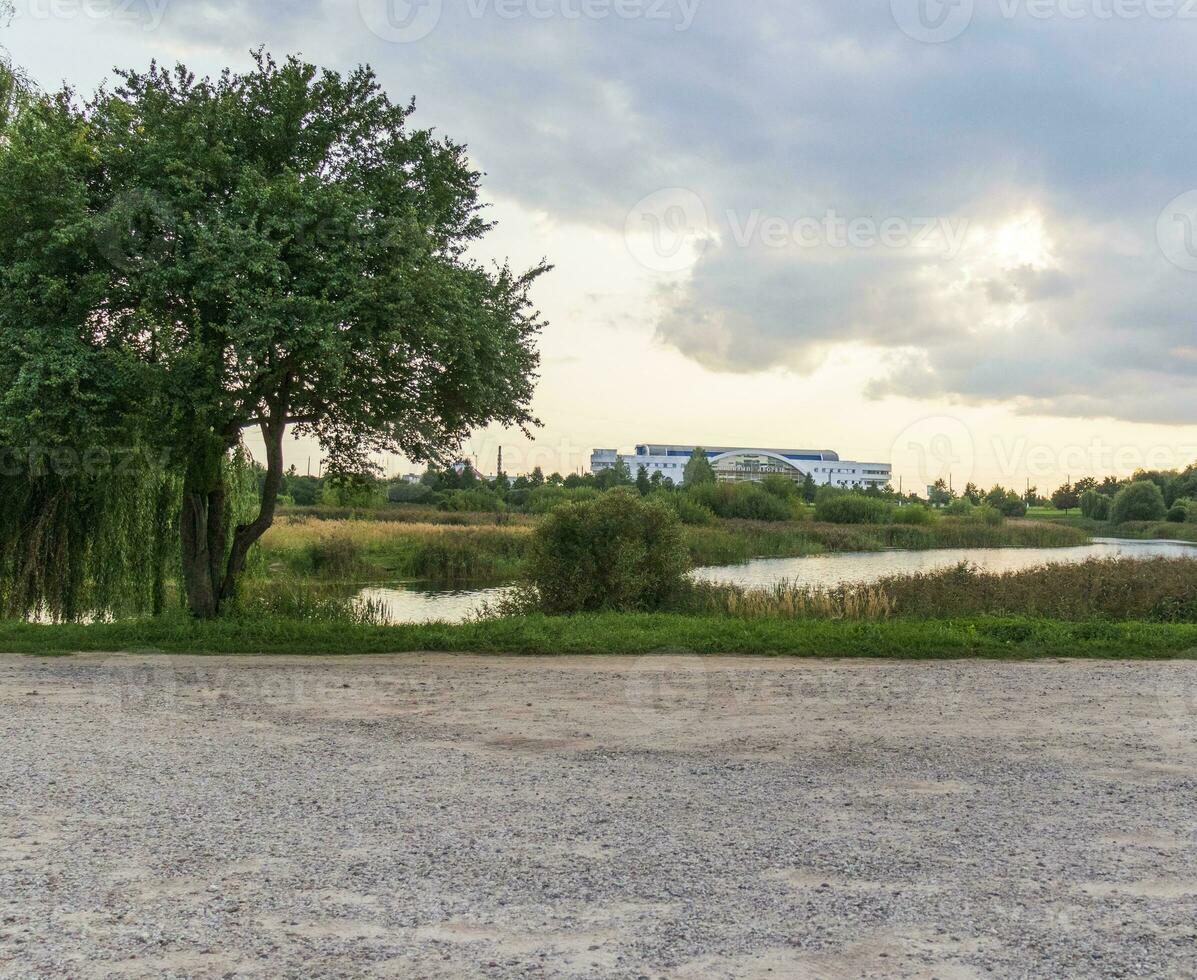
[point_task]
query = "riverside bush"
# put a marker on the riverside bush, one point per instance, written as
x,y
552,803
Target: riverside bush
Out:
x,y
1141,501
836,507
619,553
915,514
741,501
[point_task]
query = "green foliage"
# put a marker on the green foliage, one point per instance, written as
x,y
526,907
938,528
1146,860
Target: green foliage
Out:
x,y
410,493
620,552
1092,503
1066,498
940,495
834,506
480,501
781,486
1141,501
989,515
335,556
698,469
742,501
1178,513
543,499
354,490
183,259
643,483
87,545
913,514
632,634
1008,502
304,491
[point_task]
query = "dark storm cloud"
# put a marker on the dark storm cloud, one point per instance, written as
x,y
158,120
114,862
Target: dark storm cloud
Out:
x,y
791,110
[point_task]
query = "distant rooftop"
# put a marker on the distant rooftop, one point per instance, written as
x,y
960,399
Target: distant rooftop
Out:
x,y
669,449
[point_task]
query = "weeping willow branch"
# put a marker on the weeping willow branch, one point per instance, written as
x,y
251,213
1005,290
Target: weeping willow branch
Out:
x,y
76,546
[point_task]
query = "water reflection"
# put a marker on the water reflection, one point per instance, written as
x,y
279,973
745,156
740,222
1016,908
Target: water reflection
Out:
x,y
415,603
864,567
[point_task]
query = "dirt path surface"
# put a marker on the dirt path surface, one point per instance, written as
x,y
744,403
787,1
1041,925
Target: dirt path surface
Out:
x,y
658,817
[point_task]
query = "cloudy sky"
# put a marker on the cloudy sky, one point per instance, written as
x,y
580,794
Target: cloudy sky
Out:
x,y
959,235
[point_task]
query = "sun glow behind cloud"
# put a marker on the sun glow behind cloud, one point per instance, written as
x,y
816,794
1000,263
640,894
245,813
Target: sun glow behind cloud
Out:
x,y
1056,324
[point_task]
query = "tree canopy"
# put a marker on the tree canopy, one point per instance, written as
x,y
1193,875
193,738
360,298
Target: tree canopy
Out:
x,y
184,259
698,469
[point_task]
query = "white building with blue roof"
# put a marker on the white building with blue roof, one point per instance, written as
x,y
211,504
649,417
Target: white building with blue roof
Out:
x,y
734,463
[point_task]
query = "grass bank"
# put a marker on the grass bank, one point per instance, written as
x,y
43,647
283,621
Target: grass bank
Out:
x,y
1131,531
370,549
976,637
733,542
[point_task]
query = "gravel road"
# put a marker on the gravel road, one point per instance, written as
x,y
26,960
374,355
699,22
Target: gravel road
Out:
x,y
661,817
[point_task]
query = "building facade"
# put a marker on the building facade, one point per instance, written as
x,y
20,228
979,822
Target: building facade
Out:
x,y
734,464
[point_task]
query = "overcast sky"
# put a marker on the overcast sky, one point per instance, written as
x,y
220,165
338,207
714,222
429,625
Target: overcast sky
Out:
x,y
953,235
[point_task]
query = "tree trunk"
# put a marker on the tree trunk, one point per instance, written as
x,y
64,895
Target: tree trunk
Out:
x,y
247,535
203,531
211,567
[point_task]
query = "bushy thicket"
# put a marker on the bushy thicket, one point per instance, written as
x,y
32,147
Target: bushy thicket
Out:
x,y
1141,501
740,501
620,552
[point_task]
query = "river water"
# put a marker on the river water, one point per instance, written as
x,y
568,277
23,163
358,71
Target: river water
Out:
x,y
417,603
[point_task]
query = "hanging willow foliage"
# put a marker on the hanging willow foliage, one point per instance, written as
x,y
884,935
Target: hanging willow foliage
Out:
x,y
80,547
100,547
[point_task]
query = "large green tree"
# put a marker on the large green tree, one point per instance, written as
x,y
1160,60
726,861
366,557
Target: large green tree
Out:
x,y
186,259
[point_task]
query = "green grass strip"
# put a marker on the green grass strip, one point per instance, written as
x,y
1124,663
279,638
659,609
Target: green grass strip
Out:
x,y
981,637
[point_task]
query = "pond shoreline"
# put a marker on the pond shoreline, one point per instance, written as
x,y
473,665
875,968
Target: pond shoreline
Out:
x,y
421,602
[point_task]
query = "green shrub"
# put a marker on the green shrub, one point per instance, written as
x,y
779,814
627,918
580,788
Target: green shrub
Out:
x,y
988,514
1178,513
335,556
781,486
689,511
1141,501
838,507
740,501
962,507
473,501
620,552
543,499
914,514
1090,502
410,493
